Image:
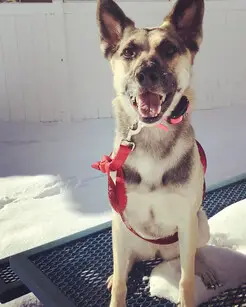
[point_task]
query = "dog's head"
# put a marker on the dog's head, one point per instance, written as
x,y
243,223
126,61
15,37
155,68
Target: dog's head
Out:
x,y
152,67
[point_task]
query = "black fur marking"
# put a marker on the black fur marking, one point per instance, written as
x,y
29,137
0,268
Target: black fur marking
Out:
x,y
167,43
180,174
152,188
191,45
131,175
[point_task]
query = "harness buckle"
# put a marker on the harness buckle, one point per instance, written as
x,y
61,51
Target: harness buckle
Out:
x,y
135,129
129,144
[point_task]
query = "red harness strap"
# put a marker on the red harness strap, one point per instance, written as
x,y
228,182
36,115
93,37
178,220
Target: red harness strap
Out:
x,y
117,191
204,163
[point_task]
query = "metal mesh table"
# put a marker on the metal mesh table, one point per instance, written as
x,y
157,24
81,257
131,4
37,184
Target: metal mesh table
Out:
x,y
73,271
10,285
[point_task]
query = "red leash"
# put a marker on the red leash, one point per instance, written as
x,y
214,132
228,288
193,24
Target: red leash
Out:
x,y
116,191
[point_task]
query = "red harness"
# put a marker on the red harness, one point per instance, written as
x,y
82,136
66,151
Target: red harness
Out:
x,y
117,191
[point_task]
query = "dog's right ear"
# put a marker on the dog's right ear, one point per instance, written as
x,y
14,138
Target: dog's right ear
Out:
x,y
112,23
187,19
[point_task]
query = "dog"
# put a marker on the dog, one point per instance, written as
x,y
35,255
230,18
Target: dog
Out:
x,y
163,173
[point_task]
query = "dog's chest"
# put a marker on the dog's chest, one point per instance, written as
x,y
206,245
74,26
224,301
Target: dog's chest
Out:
x,y
154,207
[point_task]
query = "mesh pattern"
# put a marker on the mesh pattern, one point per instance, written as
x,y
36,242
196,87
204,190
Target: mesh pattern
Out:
x,y
80,269
231,298
7,275
218,199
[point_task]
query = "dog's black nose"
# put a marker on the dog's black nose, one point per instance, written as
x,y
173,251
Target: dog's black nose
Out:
x,y
148,76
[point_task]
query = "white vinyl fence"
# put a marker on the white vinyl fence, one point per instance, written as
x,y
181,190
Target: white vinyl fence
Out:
x,y
51,68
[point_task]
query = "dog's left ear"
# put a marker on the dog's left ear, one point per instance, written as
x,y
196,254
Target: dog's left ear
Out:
x,y
112,23
187,19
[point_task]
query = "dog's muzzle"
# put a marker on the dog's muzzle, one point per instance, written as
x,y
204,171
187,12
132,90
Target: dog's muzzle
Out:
x,y
155,90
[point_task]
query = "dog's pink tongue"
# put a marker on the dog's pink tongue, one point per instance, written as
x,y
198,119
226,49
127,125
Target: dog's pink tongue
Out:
x,y
149,104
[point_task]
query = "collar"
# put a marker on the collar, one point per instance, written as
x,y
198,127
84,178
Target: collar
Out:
x,y
116,189
180,111
178,114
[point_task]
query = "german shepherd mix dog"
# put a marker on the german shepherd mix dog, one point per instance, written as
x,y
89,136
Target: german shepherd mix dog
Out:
x,y
152,69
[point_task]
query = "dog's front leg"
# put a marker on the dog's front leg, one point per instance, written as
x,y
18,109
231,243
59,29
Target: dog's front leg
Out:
x,y
122,263
187,243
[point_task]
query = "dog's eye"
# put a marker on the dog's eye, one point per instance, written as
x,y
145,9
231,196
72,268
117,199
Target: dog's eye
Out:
x,y
171,50
129,53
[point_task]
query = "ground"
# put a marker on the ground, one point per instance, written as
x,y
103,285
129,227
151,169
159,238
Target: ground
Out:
x,y
48,189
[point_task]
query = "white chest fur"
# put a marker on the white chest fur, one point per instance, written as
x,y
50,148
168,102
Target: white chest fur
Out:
x,y
153,209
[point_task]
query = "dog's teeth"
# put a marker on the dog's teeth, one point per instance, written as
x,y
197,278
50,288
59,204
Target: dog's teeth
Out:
x,y
163,98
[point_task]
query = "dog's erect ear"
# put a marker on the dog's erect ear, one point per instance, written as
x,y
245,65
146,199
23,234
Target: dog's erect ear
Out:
x,y
112,23
187,19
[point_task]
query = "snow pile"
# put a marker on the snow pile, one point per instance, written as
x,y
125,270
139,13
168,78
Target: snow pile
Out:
x,y
226,254
40,209
47,188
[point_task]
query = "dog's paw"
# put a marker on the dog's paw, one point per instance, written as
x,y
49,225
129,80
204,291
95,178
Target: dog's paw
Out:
x,y
184,303
109,282
186,294
118,293
118,299
117,304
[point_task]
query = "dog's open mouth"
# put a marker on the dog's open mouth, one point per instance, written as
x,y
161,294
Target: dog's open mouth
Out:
x,y
149,106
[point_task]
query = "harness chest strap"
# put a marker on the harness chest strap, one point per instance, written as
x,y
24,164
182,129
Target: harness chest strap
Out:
x,y
117,191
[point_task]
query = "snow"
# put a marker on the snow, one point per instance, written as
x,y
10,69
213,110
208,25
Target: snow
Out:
x,y
48,189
